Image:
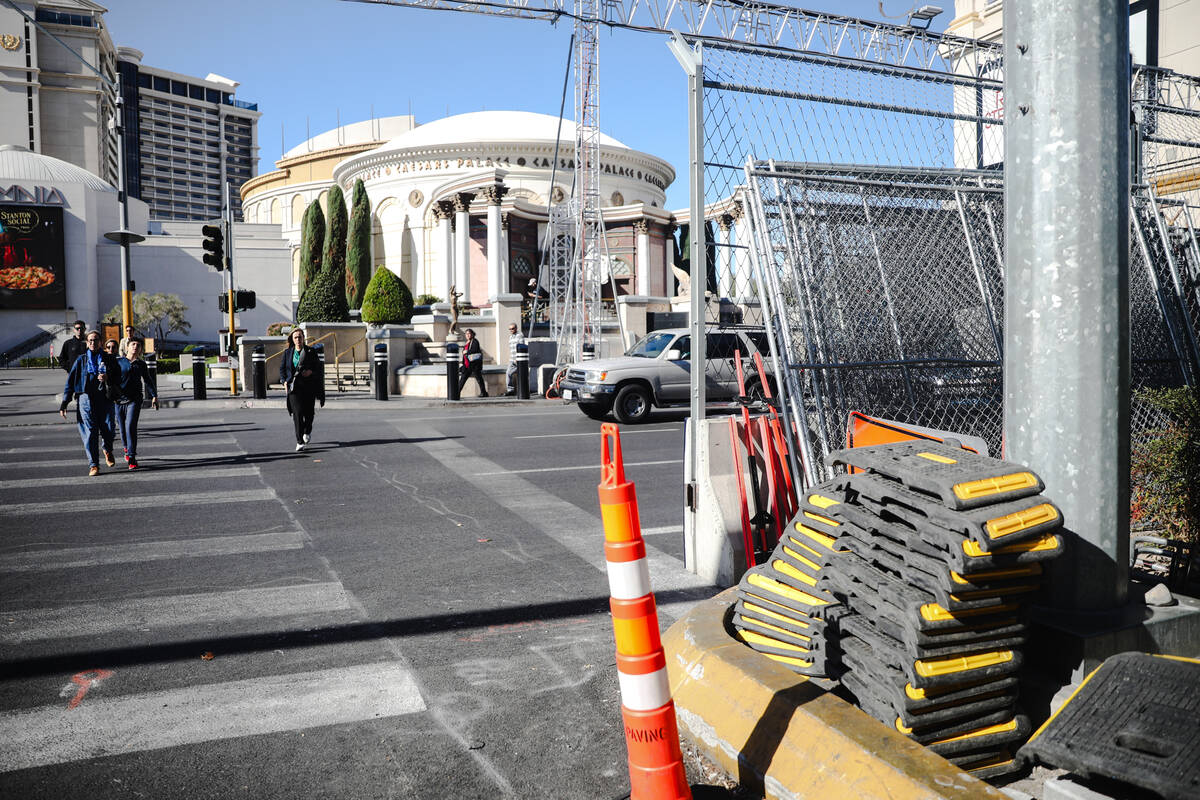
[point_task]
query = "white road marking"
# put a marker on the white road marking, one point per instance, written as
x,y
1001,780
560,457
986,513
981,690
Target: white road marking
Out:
x,y
93,619
474,415
138,501
72,557
565,469
662,529
144,460
624,432
190,442
573,528
141,474
271,704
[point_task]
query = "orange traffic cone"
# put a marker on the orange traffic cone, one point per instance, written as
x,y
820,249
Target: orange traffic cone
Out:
x,y
651,733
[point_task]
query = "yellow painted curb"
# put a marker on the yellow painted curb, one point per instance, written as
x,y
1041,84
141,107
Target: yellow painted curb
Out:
x,y
776,731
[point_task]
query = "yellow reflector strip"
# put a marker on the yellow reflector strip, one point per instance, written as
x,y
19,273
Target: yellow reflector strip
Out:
x,y
789,570
798,557
777,629
937,458
758,638
935,613
800,662
977,593
816,536
757,609
1021,521
1027,571
986,487
1041,544
900,726
783,590
803,546
833,523
821,501
933,667
1002,727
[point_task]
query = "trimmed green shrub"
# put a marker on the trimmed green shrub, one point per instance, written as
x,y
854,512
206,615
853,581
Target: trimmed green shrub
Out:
x,y
312,244
387,300
325,300
428,299
168,365
1165,474
358,247
35,361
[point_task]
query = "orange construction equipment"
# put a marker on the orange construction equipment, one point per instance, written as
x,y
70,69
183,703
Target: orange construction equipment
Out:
x,y
651,733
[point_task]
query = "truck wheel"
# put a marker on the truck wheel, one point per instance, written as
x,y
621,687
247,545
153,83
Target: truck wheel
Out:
x,y
632,404
594,410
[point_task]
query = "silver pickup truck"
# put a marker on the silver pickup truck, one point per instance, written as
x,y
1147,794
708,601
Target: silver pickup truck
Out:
x,y
657,372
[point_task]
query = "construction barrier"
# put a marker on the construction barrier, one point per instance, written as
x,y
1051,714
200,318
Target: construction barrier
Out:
x,y
651,734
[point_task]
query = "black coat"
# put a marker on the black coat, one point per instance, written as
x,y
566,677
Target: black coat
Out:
x,y
291,376
472,357
72,349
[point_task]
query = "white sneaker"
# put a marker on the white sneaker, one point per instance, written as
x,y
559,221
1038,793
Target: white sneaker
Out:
x,y
299,447
305,438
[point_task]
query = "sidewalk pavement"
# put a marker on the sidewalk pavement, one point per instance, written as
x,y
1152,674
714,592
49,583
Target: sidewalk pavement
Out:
x,y
26,394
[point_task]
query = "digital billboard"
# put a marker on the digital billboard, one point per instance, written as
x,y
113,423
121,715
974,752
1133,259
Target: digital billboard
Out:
x,y
33,269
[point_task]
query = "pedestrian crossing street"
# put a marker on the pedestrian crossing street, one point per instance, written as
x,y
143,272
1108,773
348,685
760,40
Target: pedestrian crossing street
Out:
x,y
138,609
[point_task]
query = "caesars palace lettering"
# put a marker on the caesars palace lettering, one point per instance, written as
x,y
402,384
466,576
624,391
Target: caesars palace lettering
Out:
x,y
438,164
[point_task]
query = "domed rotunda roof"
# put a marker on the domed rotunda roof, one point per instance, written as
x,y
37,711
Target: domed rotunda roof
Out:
x,y
491,126
22,164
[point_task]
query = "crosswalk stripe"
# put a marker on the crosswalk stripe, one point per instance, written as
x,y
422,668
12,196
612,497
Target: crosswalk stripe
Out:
x,y
171,718
75,557
191,443
140,475
138,501
95,619
154,457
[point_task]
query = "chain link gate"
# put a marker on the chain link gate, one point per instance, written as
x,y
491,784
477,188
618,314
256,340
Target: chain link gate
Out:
x,y
858,204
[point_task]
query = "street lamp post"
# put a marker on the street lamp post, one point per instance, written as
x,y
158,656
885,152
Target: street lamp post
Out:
x,y
124,236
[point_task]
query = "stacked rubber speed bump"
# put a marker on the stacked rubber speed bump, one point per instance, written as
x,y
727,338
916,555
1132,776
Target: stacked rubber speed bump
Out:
x,y
919,563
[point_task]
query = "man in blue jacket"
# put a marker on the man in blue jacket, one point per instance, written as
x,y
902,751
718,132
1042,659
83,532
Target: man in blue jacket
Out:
x,y
88,383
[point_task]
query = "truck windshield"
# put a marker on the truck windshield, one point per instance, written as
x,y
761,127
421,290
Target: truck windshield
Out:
x,y
651,346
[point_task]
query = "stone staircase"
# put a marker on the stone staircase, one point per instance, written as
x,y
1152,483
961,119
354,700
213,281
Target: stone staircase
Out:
x,y
354,377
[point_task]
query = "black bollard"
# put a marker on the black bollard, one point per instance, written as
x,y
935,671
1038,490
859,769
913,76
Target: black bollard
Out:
x,y
152,368
381,371
522,359
589,352
259,358
199,375
451,371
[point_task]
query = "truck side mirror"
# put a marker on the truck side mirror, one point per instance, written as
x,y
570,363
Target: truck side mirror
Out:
x,y
674,355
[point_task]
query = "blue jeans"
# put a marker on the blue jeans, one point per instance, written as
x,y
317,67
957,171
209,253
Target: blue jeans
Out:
x,y
93,414
127,416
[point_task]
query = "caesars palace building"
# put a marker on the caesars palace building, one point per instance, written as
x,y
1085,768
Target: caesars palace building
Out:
x,y
463,200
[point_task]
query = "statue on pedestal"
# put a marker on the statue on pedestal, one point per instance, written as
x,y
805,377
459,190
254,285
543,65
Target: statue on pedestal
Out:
x,y
452,334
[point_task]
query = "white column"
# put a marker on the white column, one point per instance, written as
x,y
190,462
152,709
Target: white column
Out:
x,y
495,258
725,268
742,279
462,244
642,256
444,243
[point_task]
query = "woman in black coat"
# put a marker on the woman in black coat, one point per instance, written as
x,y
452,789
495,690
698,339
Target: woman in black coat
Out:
x,y
472,364
303,374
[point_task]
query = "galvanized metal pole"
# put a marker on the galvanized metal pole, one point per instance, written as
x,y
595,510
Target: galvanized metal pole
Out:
x,y
1066,359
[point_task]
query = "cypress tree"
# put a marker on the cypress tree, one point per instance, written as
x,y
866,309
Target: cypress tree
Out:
x,y
358,248
387,300
334,261
312,243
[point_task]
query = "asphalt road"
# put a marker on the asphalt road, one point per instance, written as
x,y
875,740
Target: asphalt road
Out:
x,y
415,606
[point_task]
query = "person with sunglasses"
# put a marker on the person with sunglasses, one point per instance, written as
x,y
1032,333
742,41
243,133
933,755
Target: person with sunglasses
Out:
x,y
89,382
74,347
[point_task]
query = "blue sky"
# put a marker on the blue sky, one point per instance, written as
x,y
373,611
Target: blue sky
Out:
x,y
307,61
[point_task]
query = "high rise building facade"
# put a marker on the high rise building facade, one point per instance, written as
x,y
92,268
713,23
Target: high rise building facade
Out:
x,y
185,139
50,102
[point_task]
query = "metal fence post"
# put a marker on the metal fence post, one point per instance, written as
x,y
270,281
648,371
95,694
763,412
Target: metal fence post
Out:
x,y
259,360
381,371
1066,220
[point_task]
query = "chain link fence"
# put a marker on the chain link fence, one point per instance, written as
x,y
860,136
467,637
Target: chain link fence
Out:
x,y
857,212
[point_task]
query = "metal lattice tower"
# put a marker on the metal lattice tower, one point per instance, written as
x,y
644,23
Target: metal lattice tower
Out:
x,y
590,238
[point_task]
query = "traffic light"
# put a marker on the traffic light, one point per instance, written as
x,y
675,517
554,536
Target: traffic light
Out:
x,y
223,303
243,299
214,247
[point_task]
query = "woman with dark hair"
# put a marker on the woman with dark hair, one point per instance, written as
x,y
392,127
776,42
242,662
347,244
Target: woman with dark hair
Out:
x,y
472,363
135,383
303,374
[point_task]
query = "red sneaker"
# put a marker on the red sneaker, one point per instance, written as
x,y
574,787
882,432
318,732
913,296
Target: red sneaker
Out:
x,y
132,464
